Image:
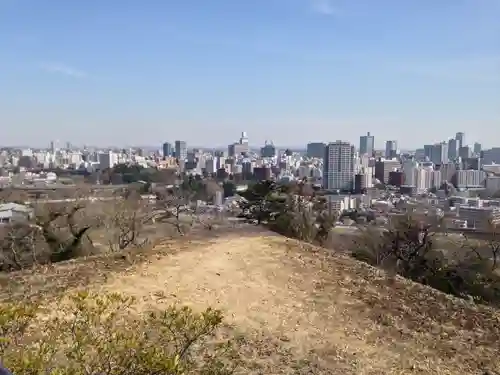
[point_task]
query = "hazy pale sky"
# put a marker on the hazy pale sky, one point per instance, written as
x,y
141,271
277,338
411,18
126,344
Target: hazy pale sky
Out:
x,y
146,71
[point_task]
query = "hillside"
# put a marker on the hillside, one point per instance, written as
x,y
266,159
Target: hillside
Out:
x,y
299,310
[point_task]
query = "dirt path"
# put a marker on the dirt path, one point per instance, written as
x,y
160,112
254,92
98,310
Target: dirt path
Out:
x,y
297,312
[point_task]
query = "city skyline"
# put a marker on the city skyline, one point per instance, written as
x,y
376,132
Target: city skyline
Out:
x,y
121,73
379,145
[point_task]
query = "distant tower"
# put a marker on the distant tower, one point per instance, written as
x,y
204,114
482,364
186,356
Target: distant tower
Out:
x,y
460,137
180,150
167,149
244,139
477,148
52,148
391,149
366,144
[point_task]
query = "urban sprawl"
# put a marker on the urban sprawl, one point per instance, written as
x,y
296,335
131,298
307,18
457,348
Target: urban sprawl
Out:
x,y
450,179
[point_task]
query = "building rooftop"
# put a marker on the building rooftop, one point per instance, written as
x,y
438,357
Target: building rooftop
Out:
x,y
14,207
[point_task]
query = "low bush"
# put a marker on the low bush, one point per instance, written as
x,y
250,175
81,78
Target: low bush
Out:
x,y
101,334
408,248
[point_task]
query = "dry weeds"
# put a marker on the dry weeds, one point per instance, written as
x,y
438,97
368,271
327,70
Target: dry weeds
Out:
x,y
297,309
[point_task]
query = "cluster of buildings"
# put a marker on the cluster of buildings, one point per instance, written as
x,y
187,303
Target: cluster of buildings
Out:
x,y
347,168
86,159
452,175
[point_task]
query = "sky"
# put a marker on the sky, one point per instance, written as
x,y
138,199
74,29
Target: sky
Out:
x,y
130,72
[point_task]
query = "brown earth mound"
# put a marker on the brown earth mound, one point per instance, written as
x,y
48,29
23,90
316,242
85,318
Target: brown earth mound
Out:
x,y
299,310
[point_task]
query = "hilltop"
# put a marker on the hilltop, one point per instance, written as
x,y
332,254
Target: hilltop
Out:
x,y
298,309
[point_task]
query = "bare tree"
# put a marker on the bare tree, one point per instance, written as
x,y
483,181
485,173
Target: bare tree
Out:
x,y
125,222
65,224
19,246
406,247
63,228
176,207
10,195
486,249
52,232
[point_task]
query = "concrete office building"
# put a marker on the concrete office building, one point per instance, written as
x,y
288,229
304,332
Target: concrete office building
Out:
x,y
424,179
384,167
338,166
470,178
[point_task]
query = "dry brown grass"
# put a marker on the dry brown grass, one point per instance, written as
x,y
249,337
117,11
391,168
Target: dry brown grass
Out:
x,y
298,310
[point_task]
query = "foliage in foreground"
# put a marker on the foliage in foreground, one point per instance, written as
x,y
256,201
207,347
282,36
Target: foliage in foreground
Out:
x,y
100,334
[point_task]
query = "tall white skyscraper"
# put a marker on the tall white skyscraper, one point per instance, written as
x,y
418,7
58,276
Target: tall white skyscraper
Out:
x,y
338,166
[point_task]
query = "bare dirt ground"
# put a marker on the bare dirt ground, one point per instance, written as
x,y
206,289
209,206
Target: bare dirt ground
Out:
x,y
298,310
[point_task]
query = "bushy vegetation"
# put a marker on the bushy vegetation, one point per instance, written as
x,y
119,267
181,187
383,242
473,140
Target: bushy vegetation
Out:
x,y
410,248
291,210
101,334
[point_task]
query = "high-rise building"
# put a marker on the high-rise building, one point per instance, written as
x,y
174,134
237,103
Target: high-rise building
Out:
x,y
107,160
268,151
240,148
167,149
428,151
338,166
439,153
244,138
366,144
477,148
391,149
460,137
384,167
464,152
180,150
410,172
316,150
452,149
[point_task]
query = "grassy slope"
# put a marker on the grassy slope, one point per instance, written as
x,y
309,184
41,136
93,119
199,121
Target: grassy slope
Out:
x,y
298,309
